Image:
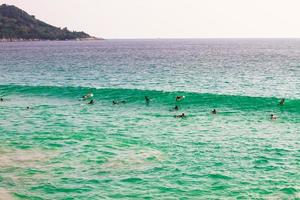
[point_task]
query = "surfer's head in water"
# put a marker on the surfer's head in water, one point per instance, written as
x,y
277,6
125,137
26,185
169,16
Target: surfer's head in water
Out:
x,y
1,99
273,117
147,99
282,101
89,95
176,108
179,98
214,111
92,101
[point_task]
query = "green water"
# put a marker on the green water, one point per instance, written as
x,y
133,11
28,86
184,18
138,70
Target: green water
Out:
x,y
62,148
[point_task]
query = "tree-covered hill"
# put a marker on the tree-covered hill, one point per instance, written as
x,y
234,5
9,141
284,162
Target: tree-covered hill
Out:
x,y
16,24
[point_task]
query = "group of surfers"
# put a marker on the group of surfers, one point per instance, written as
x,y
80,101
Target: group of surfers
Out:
x,y
176,108
88,96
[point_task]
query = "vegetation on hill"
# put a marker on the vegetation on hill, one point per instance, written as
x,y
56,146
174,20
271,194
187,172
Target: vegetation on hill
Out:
x,y
16,24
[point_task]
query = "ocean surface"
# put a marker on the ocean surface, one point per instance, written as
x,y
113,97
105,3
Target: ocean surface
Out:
x,y
63,148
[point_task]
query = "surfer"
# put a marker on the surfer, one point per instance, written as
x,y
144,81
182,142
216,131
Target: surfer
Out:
x,y
214,111
282,101
91,102
180,116
176,108
88,95
273,117
1,99
147,100
179,98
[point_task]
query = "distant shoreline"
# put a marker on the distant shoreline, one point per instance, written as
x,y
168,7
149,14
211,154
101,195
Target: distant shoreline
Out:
x,y
34,40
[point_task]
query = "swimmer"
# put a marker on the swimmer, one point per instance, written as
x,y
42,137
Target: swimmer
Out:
x,y
147,100
91,102
282,101
89,95
214,111
179,98
27,107
1,99
115,102
180,116
273,117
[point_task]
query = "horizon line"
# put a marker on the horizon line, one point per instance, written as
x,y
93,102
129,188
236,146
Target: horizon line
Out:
x,y
174,38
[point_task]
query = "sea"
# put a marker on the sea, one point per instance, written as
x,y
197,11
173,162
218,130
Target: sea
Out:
x,y
54,145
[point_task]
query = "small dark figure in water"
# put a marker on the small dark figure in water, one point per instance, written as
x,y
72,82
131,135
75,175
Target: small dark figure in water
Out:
x,y
1,99
147,100
114,102
179,98
180,116
91,102
282,102
273,117
214,111
27,107
88,95
176,108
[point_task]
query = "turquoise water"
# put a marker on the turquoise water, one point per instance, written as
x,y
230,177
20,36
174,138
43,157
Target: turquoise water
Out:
x,y
63,148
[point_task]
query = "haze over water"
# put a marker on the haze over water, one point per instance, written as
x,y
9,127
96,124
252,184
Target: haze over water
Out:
x,y
64,148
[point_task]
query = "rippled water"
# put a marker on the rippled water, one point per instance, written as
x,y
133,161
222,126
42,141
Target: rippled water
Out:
x,y
63,148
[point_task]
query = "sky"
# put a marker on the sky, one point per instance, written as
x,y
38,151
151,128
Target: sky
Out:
x,y
170,18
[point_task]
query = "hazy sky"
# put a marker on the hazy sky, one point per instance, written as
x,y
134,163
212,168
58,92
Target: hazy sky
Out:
x,y
170,18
